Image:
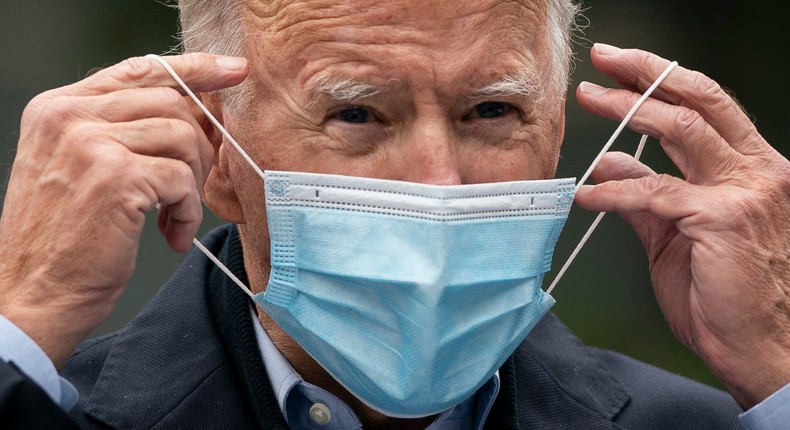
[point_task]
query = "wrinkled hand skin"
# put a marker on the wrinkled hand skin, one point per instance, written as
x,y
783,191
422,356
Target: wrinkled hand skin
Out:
x,y
92,159
718,241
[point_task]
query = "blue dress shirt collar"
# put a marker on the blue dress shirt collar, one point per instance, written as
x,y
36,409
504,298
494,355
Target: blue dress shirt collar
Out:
x,y
306,406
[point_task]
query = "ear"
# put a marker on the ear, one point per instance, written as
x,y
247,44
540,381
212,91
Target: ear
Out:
x,y
219,192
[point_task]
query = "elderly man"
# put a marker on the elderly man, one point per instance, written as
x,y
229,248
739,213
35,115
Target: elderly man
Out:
x,y
426,93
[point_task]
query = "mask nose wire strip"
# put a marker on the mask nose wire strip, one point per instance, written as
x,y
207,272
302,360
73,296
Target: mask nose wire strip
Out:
x,y
233,142
598,159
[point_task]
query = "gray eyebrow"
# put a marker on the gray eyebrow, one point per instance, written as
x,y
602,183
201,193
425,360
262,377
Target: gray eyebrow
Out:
x,y
347,89
520,84
342,89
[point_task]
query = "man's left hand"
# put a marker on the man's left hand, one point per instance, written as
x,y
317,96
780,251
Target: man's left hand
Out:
x,y
718,241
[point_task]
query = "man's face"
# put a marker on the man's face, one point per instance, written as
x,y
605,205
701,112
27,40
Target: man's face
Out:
x,y
439,92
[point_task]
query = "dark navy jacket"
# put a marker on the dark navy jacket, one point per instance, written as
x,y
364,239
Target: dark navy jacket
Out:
x,y
190,360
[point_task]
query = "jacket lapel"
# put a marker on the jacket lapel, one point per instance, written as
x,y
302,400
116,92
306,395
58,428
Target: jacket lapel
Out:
x,y
553,381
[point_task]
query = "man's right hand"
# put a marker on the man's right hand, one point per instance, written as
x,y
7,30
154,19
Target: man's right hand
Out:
x,y
92,158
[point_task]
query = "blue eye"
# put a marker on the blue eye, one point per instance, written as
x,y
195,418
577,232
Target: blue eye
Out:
x,y
491,109
356,115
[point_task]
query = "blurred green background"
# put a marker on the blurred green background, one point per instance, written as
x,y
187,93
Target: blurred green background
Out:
x,y
605,297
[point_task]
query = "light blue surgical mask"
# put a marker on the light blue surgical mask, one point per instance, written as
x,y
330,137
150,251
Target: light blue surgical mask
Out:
x,y
409,295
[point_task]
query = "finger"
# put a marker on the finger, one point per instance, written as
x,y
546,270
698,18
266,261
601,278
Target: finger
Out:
x,y
692,144
617,166
664,196
170,122
181,210
82,119
201,72
683,87
138,103
178,233
164,137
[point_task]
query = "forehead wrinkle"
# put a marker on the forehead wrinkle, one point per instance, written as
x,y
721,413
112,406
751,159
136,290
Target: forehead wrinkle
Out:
x,y
331,33
299,19
509,61
277,15
305,20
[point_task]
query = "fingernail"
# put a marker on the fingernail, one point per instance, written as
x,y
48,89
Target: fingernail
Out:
x,y
591,89
232,64
604,49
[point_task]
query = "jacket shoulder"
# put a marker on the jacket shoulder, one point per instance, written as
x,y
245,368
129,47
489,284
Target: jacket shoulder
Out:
x,y
661,400
167,368
558,382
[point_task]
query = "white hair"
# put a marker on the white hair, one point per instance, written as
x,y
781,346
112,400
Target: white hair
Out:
x,y
562,16
217,27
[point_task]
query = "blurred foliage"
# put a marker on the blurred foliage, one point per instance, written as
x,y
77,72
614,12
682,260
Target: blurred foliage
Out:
x,y
605,297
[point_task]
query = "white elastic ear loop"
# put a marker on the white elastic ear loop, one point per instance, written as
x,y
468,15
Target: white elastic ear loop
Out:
x,y
598,159
208,114
591,229
233,142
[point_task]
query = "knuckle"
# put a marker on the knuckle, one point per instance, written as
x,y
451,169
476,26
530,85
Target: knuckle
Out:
x,y
182,131
80,137
198,61
658,183
132,69
91,145
168,96
690,122
55,113
35,105
180,179
642,58
194,61
106,168
707,89
184,176
115,160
